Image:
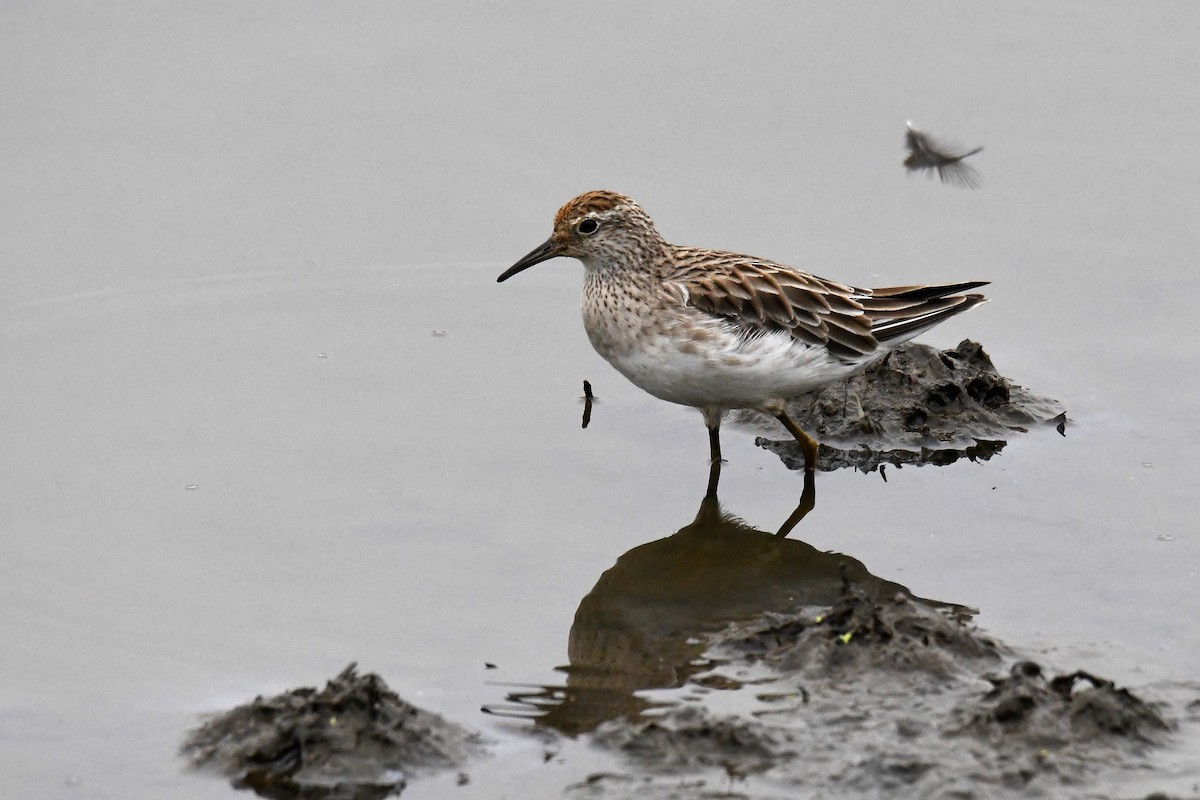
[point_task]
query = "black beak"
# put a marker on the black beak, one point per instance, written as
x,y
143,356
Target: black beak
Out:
x,y
546,251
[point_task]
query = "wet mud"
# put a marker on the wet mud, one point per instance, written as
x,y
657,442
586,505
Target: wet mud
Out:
x,y
353,740
845,684
724,660
870,698
842,684
916,406
646,623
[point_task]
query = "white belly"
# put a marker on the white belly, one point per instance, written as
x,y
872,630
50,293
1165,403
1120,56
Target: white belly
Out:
x,y
701,361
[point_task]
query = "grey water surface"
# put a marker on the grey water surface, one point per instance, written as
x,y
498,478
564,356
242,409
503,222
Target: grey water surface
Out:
x,y
266,411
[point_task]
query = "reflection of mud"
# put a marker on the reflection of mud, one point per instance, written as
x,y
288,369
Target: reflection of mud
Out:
x,y
643,624
918,405
353,740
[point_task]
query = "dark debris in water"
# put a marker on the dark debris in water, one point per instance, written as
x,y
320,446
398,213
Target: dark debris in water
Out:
x,y
353,740
918,405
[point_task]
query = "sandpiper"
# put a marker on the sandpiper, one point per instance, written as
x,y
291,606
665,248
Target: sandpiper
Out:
x,y
925,153
719,331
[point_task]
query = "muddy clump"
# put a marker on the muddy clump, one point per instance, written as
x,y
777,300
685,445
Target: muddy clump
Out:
x,y
688,737
858,634
871,698
1055,711
917,405
353,740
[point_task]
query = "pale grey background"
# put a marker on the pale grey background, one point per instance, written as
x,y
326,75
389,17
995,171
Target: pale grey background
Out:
x,y
230,230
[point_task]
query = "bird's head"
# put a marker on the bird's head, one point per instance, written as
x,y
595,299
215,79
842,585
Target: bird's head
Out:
x,y
601,229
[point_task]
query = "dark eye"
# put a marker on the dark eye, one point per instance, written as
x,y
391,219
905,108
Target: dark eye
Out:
x,y
588,227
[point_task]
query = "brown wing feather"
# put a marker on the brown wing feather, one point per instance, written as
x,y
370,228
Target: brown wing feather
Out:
x,y
759,296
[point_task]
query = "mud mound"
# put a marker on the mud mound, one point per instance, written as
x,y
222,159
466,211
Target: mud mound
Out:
x,y
857,634
1056,711
866,458
893,698
689,737
917,405
353,740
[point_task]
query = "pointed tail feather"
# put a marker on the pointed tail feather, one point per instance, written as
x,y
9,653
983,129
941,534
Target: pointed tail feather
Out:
x,y
926,292
894,327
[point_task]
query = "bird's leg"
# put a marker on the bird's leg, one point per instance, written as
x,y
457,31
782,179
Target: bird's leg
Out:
x,y
712,420
714,443
807,444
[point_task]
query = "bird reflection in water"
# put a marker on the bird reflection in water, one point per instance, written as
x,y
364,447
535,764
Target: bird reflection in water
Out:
x,y
643,625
